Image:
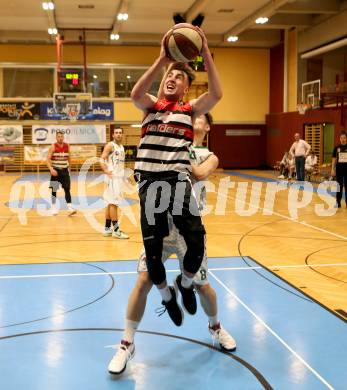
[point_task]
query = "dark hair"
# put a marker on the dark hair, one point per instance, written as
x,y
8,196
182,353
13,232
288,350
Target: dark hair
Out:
x,y
118,128
343,133
209,118
59,132
184,68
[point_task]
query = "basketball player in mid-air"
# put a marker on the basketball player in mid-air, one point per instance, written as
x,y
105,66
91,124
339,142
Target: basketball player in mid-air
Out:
x,y
112,163
163,170
204,163
58,162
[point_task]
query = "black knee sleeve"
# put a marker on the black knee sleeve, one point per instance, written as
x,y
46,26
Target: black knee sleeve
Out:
x,y
54,197
195,242
155,266
67,195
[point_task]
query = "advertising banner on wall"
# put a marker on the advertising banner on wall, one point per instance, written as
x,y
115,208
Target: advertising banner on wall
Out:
x,y
7,154
35,154
11,134
80,153
130,152
101,111
19,111
74,134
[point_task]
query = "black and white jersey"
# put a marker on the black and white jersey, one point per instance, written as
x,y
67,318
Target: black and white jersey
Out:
x,y
167,132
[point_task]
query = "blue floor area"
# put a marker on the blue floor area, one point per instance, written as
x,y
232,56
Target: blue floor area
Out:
x,y
56,329
312,187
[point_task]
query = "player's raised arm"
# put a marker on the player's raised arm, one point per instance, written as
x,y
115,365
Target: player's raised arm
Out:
x,y
209,99
139,94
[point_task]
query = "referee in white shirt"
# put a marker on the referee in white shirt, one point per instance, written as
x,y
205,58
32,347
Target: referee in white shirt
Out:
x,y
300,150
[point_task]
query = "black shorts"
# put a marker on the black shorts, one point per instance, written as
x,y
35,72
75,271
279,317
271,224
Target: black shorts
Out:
x,y
170,193
63,178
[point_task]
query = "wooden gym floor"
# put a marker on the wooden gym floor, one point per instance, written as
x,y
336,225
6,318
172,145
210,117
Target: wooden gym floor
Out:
x,y
309,252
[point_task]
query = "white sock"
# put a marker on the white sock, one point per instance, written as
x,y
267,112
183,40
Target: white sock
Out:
x,y
69,206
130,330
186,281
165,293
213,320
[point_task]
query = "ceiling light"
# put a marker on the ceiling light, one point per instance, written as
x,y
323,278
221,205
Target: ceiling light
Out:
x,y
128,77
262,20
122,16
233,38
95,76
52,31
114,37
48,5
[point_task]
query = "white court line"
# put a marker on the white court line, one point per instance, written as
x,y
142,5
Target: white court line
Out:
x,y
314,372
274,267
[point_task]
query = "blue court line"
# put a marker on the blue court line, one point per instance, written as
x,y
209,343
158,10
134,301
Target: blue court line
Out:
x,y
284,184
45,176
79,202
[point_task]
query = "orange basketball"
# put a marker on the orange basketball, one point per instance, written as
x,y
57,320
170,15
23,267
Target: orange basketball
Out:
x,y
184,42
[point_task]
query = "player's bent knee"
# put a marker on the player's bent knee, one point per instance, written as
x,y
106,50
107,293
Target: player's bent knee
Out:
x,y
144,283
155,266
195,252
204,289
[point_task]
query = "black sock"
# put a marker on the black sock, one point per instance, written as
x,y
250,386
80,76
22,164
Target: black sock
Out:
x,y
115,225
108,223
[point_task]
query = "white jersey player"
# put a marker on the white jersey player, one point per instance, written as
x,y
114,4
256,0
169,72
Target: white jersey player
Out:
x,y
204,163
112,163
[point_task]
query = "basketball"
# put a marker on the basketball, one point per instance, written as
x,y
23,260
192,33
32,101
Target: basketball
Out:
x,y
184,43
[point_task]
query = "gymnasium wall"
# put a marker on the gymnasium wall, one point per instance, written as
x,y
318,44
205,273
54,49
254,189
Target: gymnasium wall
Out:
x,y
280,129
239,151
292,66
244,74
276,78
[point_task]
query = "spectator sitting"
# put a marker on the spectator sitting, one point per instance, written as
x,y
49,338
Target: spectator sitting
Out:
x,y
284,166
291,166
311,163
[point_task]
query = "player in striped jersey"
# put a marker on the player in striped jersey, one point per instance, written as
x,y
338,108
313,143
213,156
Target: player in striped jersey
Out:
x,y
58,162
204,163
112,163
163,170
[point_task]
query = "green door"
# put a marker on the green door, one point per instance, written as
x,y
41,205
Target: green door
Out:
x,y
328,142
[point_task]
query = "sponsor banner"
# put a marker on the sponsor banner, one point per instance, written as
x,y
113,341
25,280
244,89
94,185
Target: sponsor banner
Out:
x,y
101,111
35,154
7,154
130,152
11,134
74,134
20,111
80,153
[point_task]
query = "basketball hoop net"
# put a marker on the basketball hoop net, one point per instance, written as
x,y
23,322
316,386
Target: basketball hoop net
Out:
x,y
72,111
302,108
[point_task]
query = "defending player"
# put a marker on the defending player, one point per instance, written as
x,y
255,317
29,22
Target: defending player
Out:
x,y
163,169
112,163
58,162
204,163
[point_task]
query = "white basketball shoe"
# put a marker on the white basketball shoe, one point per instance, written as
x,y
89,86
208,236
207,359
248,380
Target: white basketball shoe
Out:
x,y
118,364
